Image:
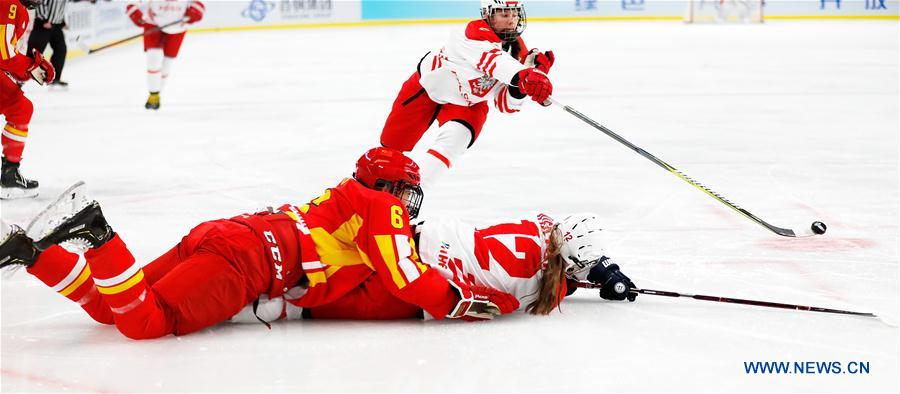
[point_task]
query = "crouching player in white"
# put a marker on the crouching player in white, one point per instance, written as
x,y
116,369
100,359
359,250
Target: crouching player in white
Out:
x,y
535,259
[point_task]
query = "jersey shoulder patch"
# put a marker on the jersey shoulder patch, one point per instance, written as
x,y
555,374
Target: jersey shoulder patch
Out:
x,y
479,30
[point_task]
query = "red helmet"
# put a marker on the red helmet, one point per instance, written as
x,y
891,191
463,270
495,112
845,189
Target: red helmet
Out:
x,y
389,170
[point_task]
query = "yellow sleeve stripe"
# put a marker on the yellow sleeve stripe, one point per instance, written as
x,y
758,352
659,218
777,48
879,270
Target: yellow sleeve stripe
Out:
x,y
386,247
4,44
85,274
137,278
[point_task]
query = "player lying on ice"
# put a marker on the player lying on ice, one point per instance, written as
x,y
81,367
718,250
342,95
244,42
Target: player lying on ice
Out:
x,y
487,61
348,253
531,258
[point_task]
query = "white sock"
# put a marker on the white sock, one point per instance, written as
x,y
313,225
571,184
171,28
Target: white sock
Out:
x,y
154,69
452,140
166,69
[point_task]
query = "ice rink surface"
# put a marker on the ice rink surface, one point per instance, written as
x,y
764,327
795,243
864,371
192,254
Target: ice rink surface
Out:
x,y
794,121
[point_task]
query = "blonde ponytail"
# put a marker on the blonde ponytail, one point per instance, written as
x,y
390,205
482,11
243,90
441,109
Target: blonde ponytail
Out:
x,y
554,276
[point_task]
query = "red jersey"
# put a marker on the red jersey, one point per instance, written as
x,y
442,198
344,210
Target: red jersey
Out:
x,y
13,21
357,232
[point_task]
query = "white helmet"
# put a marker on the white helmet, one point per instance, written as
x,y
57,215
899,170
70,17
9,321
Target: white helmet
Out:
x,y
582,244
489,6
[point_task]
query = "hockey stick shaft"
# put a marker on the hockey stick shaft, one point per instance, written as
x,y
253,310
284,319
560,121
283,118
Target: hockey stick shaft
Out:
x,y
124,40
766,304
777,230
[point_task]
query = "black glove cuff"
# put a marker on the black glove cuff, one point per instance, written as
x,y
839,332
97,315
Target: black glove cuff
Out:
x,y
514,88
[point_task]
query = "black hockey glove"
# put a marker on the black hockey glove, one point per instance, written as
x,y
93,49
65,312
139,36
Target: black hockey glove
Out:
x,y
614,285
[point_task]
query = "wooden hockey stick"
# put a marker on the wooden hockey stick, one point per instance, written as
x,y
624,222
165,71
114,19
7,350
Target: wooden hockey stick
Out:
x,y
124,40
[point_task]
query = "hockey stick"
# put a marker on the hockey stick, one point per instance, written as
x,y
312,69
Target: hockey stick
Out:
x,y
767,304
815,229
124,40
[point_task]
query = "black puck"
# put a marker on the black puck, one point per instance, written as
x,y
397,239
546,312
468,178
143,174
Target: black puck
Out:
x,y
818,227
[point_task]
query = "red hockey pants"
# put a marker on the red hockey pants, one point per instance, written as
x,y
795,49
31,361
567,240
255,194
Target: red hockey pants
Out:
x,y
413,113
17,109
216,270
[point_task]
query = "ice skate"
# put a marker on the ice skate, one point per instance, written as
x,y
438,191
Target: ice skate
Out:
x,y
13,185
152,101
72,218
16,249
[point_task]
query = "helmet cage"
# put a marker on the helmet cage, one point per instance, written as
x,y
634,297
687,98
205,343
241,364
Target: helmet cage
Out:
x,y
410,195
488,11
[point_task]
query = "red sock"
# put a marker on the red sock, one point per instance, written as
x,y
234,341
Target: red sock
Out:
x,y
68,274
14,141
120,281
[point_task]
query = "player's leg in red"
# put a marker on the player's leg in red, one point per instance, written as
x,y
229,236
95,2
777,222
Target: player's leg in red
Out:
x,y
17,110
69,275
153,49
411,115
214,272
65,273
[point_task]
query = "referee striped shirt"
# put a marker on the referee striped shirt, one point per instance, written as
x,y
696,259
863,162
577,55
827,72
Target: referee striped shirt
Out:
x,y
51,10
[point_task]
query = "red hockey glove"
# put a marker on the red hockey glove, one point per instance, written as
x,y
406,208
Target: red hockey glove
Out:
x,y
134,12
535,83
540,60
41,70
481,303
193,14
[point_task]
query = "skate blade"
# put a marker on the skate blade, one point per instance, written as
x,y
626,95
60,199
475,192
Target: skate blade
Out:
x,y
69,202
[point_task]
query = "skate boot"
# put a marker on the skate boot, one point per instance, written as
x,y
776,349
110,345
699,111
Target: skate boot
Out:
x,y
13,185
152,101
72,218
16,249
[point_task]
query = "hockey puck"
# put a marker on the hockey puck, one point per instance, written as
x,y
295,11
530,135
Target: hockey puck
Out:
x,y
818,227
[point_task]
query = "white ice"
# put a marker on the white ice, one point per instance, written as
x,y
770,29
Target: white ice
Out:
x,y
794,121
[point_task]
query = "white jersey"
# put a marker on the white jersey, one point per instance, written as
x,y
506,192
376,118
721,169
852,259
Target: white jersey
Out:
x,y
506,256
164,12
472,67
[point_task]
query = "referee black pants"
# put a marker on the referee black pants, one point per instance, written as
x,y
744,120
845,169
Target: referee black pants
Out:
x,y
41,36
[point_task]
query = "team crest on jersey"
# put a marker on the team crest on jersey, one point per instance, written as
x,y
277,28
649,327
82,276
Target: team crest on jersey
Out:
x,y
481,86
